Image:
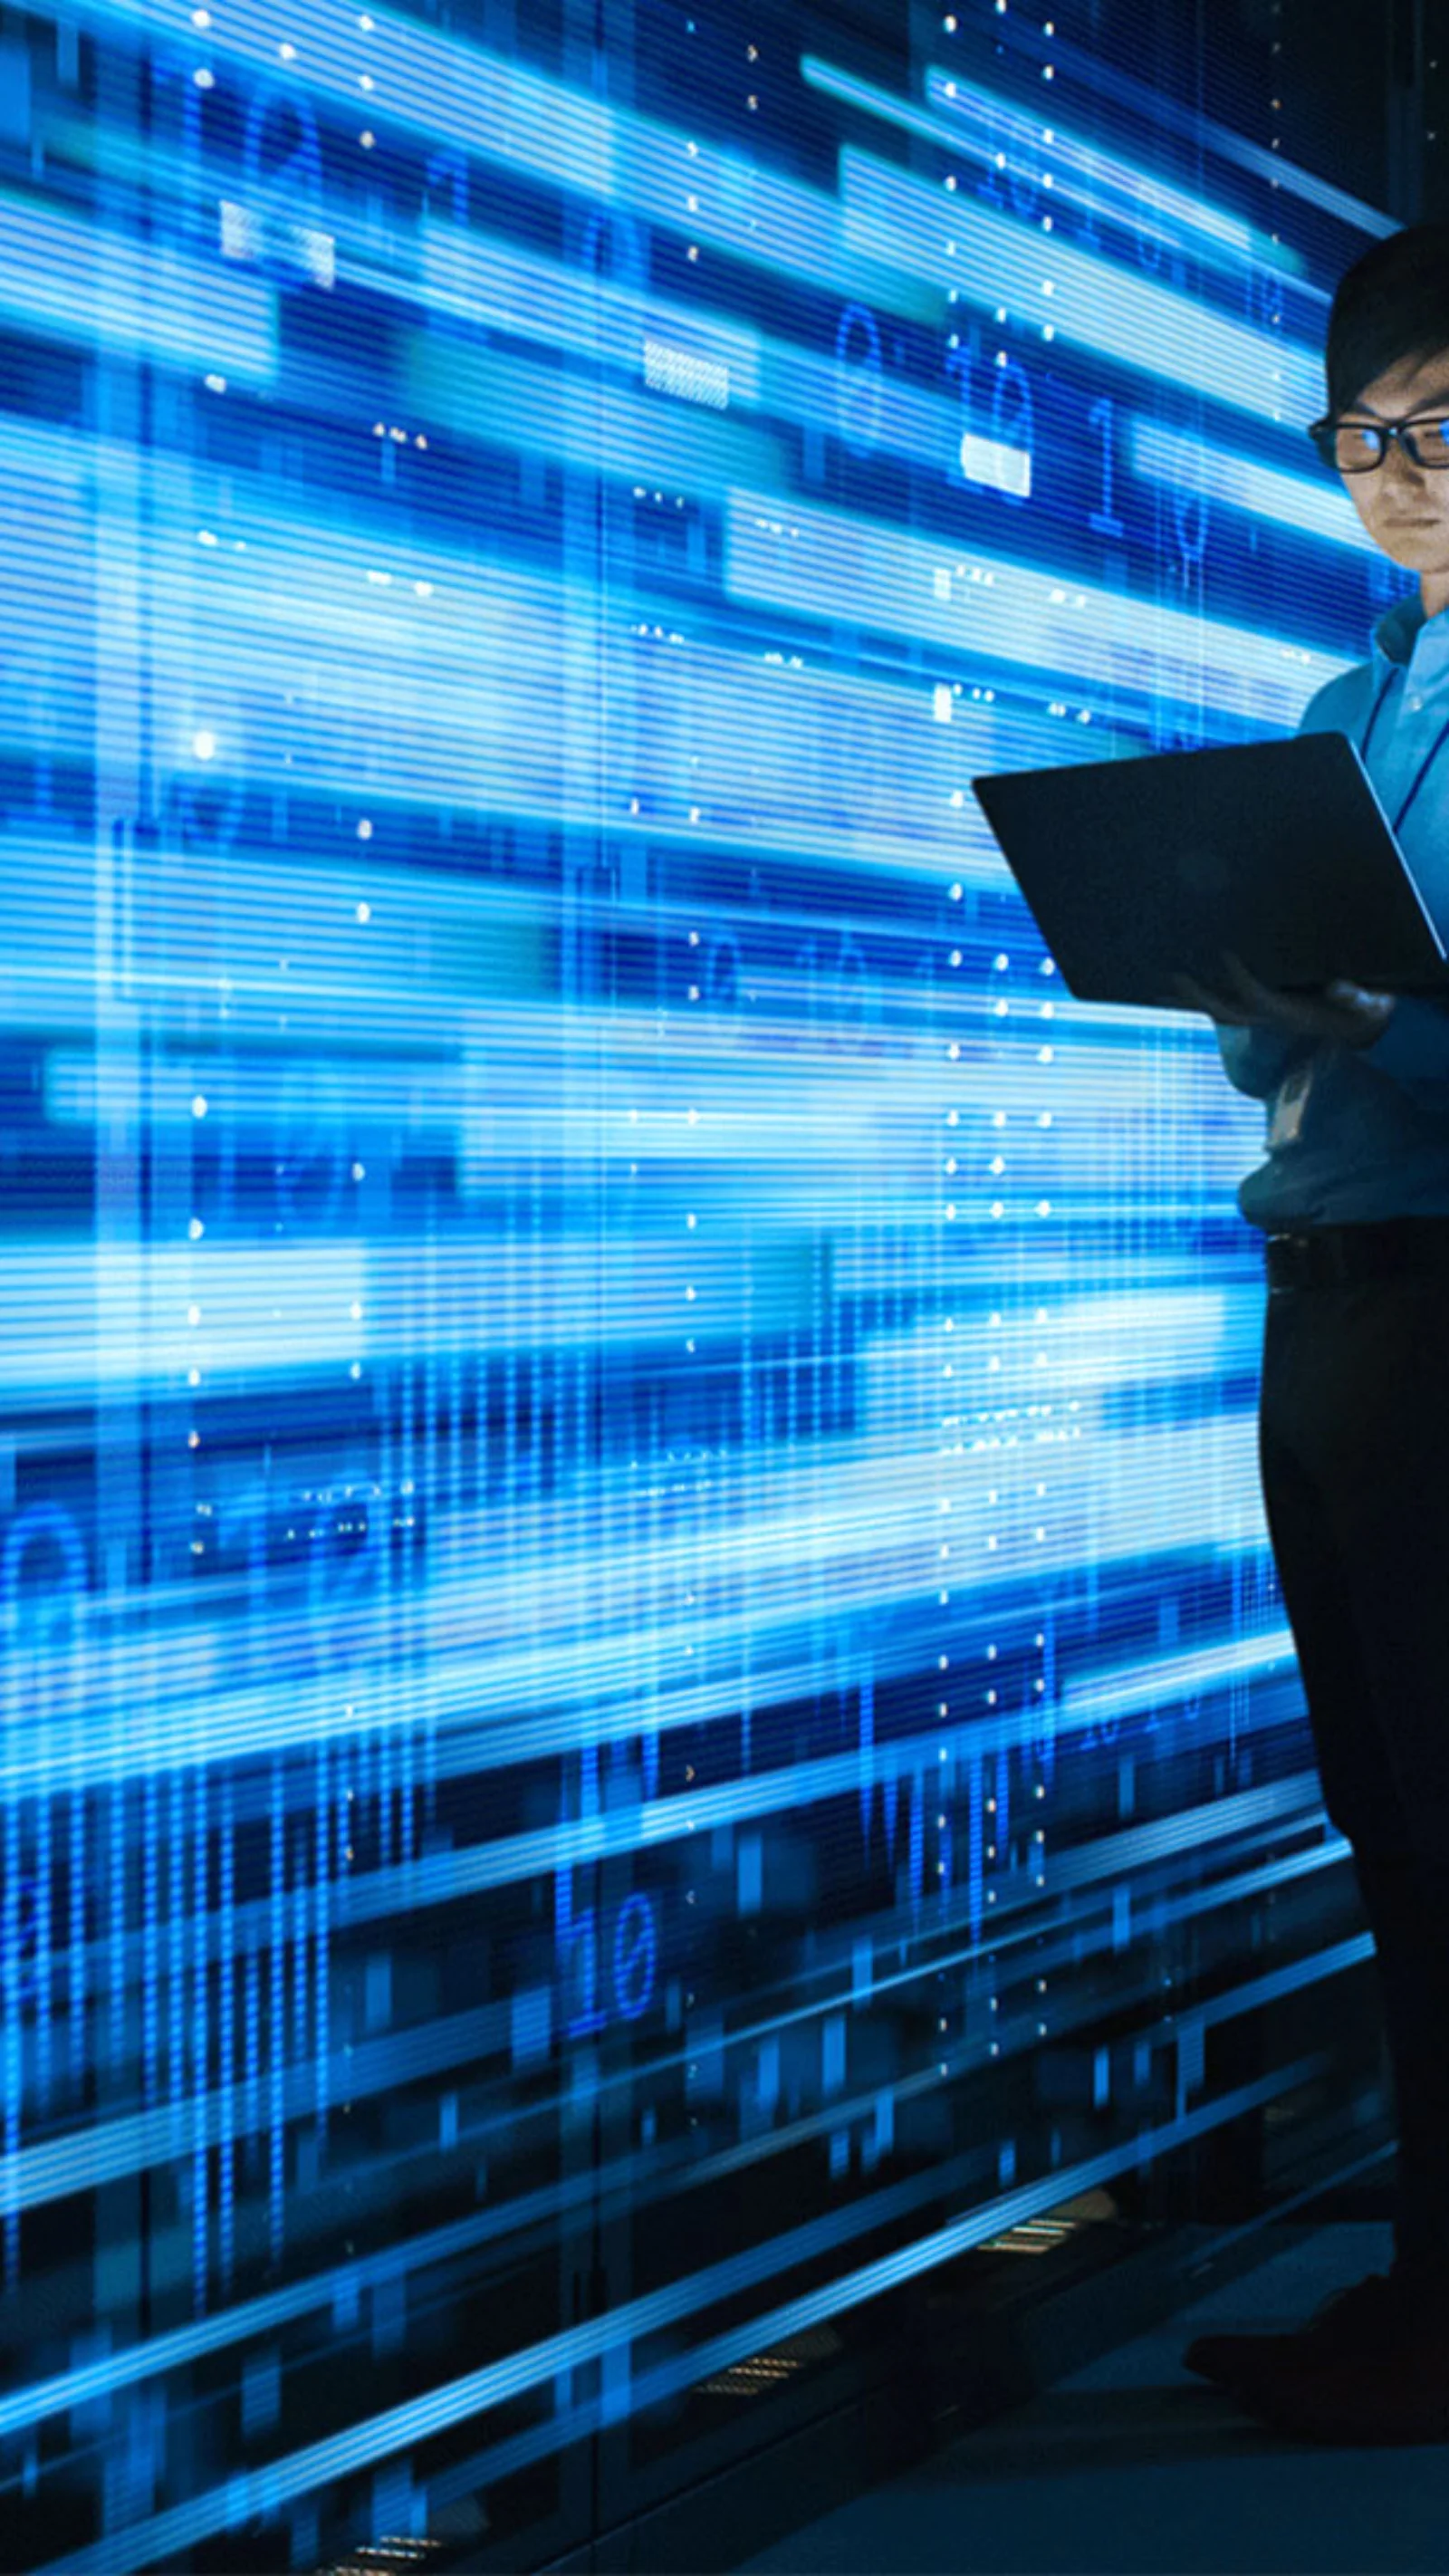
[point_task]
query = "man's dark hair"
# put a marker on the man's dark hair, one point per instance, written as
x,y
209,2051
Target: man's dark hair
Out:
x,y
1392,304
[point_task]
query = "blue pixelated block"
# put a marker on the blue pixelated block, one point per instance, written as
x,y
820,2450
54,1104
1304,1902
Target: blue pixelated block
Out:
x,y
532,2018
377,1992
389,2317
305,2546
839,2153
749,1874
261,2394
832,2053
1006,2162
399,2512
616,2391
14,94
704,2064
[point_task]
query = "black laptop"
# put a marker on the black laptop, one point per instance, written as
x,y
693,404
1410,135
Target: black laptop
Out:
x,y
1279,852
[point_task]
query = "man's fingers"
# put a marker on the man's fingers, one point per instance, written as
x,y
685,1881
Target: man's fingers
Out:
x,y
1357,997
1254,995
1201,997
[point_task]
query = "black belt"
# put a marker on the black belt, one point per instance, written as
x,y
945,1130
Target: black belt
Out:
x,y
1339,1256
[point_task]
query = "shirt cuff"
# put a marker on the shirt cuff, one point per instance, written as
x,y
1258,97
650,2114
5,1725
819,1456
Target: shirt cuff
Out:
x,y
1415,1045
1256,1060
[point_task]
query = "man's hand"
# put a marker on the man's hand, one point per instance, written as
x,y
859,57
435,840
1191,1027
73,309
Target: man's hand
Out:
x,y
1342,1015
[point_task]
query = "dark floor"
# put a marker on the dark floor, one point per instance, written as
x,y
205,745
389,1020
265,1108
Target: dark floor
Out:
x,y
1133,2467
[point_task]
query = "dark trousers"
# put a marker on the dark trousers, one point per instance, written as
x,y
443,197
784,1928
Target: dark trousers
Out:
x,y
1355,1460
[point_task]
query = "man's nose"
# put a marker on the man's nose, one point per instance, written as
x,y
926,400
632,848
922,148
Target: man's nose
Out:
x,y
1399,462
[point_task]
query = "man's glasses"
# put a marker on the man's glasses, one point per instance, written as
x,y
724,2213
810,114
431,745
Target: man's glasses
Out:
x,y
1360,446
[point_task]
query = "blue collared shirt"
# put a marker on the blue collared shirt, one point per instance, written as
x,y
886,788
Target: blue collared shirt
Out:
x,y
1356,1134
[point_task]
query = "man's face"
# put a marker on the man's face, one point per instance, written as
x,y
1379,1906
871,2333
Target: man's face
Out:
x,y
1405,507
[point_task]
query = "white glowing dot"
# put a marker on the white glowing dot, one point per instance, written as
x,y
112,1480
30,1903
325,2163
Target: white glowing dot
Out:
x,y
203,744
193,1314
356,1310
359,1171
364,829
201,17
193,1440
364,912
288,53
216,384
199,1105
193,1377
196,1229
203,78
367,141
356,1369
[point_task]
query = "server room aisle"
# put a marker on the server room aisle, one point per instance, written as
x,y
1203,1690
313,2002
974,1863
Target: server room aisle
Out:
x,y
1132,2467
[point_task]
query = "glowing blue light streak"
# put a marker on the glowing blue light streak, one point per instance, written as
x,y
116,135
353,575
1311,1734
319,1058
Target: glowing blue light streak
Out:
x,y
989,260
980,125
1314,508
822,564
138,297
483,105
1065,164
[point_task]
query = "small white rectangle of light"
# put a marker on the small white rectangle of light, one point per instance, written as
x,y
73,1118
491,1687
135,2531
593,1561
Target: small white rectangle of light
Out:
x,y
1006,469
669,369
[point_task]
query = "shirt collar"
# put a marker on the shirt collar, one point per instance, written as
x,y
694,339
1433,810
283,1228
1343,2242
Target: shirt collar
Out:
x,y
1398,630
1405,638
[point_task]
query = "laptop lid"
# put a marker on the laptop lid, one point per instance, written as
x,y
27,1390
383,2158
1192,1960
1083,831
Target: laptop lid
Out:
x,y
1139,870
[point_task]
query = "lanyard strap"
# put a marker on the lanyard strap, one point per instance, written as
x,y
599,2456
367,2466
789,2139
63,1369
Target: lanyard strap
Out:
x,y
1425,765
1378,706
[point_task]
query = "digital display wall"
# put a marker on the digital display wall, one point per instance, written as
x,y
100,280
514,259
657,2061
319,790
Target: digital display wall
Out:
x,y
642,1693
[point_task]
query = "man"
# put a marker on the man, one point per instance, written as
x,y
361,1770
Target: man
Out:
x,y
1354,1201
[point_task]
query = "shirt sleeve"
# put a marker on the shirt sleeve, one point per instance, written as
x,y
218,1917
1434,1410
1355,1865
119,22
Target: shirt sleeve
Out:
x,y
1414,1049
1257,1060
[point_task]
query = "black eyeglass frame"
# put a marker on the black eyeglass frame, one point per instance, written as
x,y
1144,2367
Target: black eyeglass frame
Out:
x,y
1388,433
